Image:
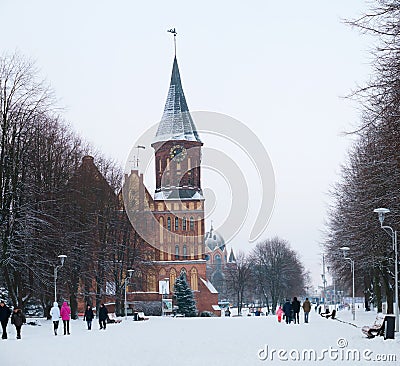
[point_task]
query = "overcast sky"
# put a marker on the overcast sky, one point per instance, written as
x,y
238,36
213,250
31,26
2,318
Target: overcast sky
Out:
x,y
279,69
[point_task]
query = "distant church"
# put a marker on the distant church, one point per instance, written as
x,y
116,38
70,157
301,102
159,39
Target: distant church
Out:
x,y
175,225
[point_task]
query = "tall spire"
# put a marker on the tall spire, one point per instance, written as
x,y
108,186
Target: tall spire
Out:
x,y
176,122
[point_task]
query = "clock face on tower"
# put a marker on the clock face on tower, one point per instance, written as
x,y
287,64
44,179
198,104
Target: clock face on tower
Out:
x,y
178,152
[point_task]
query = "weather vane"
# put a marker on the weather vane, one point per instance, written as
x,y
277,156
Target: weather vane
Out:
x,y
173,31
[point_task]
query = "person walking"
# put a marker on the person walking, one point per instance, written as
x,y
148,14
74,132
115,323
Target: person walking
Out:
x,y
5,313
307,309
18,318
296,310
287,309
55,316
65,316
279,313
103,315
88,316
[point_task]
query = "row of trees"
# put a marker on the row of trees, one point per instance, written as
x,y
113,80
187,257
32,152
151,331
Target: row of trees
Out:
x,y
267,275
51,203
371,175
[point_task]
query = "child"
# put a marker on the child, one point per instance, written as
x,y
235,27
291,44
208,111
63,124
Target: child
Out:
x,y
279,313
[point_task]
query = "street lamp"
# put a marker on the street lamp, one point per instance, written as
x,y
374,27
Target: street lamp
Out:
x,y
127,279
56,268
345,250
393,234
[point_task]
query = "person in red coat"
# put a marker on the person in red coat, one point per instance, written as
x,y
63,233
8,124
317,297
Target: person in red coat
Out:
x,y
65,313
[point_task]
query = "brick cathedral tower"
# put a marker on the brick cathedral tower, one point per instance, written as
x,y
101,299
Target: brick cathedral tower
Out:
x,y
177,207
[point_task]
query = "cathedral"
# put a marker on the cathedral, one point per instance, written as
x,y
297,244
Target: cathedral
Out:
x,y
172,219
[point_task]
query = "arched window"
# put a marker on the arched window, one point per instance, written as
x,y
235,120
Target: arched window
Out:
x,y
217,260
184,251
199,225
193,279
184,223
172,279
183,273
176,223
177,251
151,282
161,228
169,223
191,223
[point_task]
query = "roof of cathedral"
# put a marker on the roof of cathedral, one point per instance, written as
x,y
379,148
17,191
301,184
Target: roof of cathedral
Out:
x,y
232,258
213,240
176,122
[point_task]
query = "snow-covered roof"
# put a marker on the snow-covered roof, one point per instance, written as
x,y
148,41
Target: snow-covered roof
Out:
x,y
176,122
209,285
178,194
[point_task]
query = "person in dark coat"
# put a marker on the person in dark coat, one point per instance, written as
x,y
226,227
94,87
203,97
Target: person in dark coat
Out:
x,y
296,310
88,316
5,313
287,309
103,315
18,318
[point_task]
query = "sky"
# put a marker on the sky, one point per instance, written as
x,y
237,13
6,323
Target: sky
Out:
x,y
281,69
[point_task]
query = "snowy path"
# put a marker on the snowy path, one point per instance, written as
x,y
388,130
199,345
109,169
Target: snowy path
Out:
x,y
196,341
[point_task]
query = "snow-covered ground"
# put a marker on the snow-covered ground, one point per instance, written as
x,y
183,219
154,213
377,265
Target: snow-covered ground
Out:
x,y
201,341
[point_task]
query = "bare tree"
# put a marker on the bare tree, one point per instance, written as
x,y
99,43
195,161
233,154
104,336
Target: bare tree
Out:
x,y
239,278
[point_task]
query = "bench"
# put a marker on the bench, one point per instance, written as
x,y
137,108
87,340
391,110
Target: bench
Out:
x,y
112,318
377,329
139,316
328,315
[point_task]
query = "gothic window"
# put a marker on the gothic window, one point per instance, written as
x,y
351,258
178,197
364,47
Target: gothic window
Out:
x,y
169,223
183,273
184,223
199,226
172,279
151,282
176,223
217,260
161,228
193,279
184,251
177,251
191,223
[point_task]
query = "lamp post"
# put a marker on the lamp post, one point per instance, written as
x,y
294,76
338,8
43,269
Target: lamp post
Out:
x,y
56,268
393,234
345,250
127,279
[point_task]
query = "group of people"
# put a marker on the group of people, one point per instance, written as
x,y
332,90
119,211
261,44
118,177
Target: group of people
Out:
x,y
65,315
291,310
17,319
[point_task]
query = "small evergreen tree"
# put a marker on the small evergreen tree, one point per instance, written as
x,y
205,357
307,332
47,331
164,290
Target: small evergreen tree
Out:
x,y
184,297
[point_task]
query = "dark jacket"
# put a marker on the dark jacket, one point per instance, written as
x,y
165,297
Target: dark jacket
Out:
x,y
5,313
296,305
18,318
103,313
88,315
287,307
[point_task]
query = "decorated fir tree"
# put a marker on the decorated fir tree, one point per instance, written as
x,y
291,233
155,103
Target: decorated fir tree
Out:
x,y
184,297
